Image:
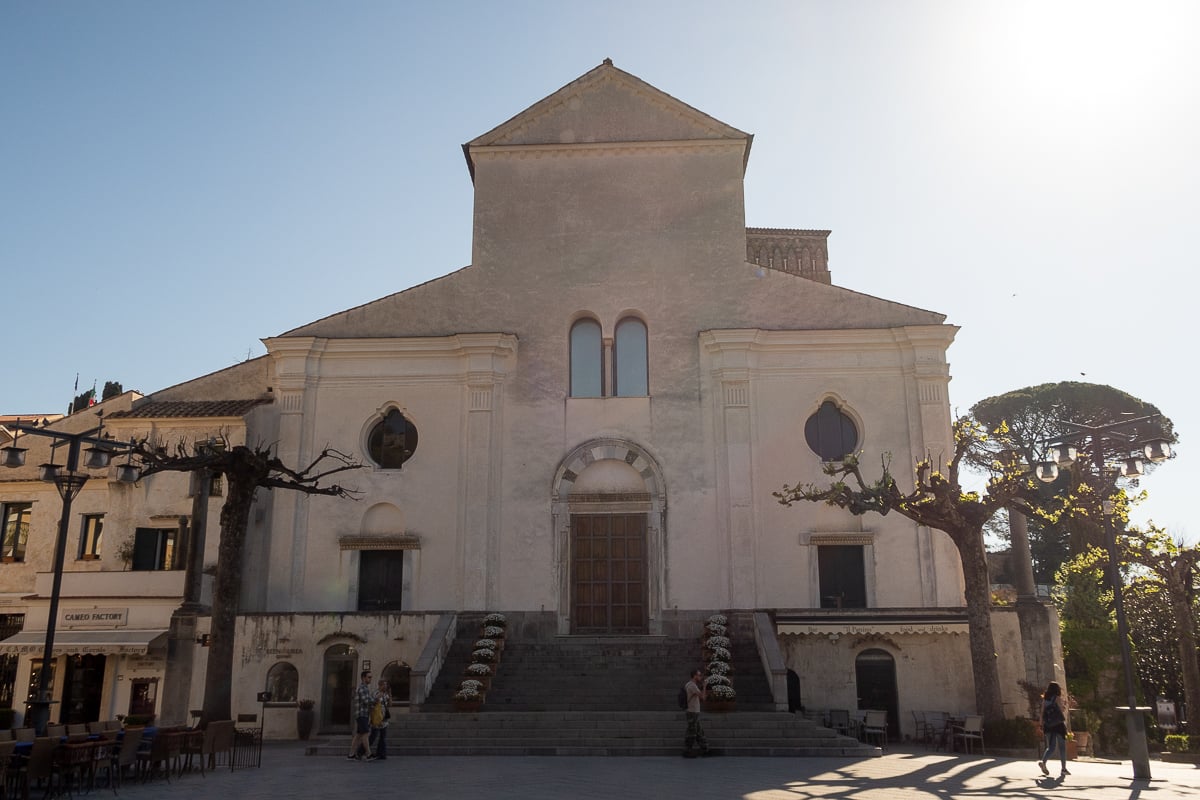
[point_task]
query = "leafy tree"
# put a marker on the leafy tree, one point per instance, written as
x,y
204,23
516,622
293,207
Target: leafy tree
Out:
x,y
246,470
83,401
111,389
1037,415
1174,567
938,500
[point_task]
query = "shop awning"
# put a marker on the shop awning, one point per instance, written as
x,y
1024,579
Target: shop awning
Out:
x,y
122,642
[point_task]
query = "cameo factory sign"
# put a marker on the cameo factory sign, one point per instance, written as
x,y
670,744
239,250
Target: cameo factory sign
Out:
x,y
94,618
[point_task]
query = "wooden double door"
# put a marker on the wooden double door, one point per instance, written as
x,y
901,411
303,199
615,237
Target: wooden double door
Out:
x,y
608,573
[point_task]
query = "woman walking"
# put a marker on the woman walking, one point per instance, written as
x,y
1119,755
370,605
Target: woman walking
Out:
x,y
1054,726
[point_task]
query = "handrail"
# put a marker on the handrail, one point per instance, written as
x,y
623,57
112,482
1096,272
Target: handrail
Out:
x,y
772,659
429,664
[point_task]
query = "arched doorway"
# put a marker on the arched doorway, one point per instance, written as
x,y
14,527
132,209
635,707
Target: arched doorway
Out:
x,y
875,678
608,504
337,688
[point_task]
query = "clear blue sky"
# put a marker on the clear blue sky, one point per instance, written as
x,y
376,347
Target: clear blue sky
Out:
x,y
178,180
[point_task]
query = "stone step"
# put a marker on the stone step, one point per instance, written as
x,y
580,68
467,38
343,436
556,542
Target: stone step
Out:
x,y
604,734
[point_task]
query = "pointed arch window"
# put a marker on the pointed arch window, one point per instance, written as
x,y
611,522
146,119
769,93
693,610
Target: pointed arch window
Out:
x,y
587,360
631,374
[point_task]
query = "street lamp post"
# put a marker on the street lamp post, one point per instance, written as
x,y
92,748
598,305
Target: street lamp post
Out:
x,y
69,483
1114,441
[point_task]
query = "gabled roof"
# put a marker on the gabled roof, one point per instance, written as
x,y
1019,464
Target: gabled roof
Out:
x,y
633,111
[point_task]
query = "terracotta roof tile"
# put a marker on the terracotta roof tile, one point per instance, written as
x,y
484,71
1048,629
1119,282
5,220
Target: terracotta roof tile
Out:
x,y
189,409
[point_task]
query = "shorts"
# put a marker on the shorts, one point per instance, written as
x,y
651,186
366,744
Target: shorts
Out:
x,y
362,725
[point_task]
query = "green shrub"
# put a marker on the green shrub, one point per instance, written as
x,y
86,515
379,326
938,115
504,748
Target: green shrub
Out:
x,y
1176,743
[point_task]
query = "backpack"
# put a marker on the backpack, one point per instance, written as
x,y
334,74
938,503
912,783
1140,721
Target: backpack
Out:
x,y
682,697
1052,715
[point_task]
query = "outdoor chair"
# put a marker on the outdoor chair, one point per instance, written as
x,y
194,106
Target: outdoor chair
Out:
x,y
6,735
221,742
95,727
56,731
839,720
6,756
875,727
158,754
38,767
24,734
77,729
125,757
920,727
970,732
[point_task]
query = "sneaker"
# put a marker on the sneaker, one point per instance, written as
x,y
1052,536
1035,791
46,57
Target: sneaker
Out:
x,y
1064,773
371,757
1042,765
352,757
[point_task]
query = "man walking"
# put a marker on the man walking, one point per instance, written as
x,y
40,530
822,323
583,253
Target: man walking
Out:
x,y
363,699
381,714
695,733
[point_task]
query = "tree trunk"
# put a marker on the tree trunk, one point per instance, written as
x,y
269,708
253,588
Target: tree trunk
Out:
x,y
979,625
1185,630
235,517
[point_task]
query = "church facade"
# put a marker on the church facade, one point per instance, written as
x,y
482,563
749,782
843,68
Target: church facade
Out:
x,y
585,425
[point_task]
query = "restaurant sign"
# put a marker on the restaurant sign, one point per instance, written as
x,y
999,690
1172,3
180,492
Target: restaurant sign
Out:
x,y
94,618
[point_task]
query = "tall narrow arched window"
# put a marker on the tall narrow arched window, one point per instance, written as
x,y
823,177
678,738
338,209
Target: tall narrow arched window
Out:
x,y
587,361
630,359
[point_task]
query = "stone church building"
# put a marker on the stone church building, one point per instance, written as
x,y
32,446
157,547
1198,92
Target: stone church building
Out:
x,y
582,429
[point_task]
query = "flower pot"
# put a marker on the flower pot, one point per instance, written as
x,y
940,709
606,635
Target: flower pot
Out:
x,y
305,718
486,680
467,705
719,706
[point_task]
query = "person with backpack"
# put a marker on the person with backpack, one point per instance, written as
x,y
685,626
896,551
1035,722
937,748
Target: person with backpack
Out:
x,y
1054,727
690,695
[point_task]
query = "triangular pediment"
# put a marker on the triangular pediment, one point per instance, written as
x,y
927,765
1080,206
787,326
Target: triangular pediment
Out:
x,y
606,106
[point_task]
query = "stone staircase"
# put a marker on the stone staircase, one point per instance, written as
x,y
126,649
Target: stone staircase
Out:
x,y
605,695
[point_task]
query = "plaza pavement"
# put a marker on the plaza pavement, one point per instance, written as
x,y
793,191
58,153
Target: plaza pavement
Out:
x,y
907,775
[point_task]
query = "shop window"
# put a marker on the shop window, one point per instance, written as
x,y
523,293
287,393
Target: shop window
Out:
x,y
154,549
830,433
283,682
14,521
843,577
90,536
143,696
380,580
35,671
392,441
10,625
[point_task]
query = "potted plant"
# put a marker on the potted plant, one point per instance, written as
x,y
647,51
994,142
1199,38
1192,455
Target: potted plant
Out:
x,y
721,696
469,696
305,718
482,673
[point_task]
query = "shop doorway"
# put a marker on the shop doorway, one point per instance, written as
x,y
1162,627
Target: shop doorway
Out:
x,y
83,687
875,676
338,688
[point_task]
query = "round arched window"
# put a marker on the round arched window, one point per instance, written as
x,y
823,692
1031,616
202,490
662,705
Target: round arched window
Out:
x,y
830,433
392,441
282,682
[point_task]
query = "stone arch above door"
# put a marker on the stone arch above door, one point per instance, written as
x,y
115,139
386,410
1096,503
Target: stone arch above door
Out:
x,y
610,477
